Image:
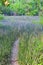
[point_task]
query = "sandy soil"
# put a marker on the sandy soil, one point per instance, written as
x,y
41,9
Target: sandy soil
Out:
x,y
14,55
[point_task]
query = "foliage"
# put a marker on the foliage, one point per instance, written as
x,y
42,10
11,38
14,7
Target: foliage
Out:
x,y
31,49
30,46
3,2
1,17
25,7
7,38
7,11
39,22
18,8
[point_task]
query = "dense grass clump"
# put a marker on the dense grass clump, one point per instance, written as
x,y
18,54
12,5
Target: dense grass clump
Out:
x,y
7,38
31,49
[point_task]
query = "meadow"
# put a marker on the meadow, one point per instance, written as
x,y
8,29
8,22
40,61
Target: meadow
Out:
x,y
30,45
31,49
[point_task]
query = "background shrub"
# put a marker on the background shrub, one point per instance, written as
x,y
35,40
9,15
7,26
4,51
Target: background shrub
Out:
x,y
23,7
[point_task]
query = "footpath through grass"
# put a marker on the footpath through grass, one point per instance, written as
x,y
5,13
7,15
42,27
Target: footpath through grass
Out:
x,y
30,46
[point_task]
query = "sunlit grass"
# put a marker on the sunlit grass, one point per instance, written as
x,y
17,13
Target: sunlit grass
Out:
x,y
1,17
40,21
31,50
1,25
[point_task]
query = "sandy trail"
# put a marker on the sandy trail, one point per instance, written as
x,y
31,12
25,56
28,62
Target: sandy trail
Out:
x,y
14,56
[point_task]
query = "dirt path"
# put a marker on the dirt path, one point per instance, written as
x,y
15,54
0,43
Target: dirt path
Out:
x,y
14,55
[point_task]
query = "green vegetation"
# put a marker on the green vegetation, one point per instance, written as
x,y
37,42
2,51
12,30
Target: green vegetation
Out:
x,y
1,17
7,38
31,49
21,7
39,22
30,46
1,25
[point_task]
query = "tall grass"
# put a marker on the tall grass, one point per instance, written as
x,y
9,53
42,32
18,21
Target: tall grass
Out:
x,y
7,38
40,20
1,17
31,49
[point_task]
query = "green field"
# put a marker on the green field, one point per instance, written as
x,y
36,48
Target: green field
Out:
x,y
30,46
